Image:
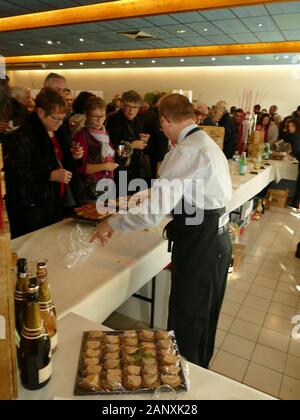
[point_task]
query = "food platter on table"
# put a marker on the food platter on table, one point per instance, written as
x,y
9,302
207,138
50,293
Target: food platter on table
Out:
x,y
129,362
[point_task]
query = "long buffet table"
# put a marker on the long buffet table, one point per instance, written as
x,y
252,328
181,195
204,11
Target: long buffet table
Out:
x,y
205,385
97,287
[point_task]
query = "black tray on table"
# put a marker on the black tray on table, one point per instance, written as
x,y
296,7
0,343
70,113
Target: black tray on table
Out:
x,y
102,390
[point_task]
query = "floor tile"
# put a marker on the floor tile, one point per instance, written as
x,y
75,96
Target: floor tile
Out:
x,y
251,315
290,389
245,329
220,337
271,274
281,310
290,278
288,288
235,295
230,308
225,322
294,349
250,268
118,321
257,303
240,285
292,368
253,260
270,358
261,291
274,340
246,276
238,346
263,379
266,282
286,299
278,324
229,365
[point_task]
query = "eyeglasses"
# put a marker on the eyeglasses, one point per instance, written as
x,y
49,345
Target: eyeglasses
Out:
x,y
97,117
57,119
132,108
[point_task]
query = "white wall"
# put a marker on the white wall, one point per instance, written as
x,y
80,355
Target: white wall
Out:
x,y
273,84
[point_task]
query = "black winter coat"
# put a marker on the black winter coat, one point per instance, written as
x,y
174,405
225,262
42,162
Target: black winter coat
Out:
x,y
33,201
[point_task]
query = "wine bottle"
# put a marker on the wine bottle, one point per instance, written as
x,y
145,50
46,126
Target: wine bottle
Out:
x,y
35,348
48,311
20,294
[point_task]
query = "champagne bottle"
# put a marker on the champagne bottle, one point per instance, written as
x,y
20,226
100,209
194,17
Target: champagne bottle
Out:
x,y
35,348
48,311
20,294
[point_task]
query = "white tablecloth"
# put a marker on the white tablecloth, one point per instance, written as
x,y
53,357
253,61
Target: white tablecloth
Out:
x,y
246,187
204,384
96,288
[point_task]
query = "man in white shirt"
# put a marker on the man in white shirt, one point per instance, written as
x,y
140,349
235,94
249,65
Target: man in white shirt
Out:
x,y
201,251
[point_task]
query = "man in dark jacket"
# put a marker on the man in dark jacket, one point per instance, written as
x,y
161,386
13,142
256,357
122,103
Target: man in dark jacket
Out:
x,y
227,123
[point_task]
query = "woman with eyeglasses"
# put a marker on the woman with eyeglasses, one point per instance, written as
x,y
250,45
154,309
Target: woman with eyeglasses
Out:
x,y
98,155
126,127
38,166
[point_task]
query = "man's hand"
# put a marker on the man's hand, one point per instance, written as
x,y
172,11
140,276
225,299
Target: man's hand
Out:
x,y
103,232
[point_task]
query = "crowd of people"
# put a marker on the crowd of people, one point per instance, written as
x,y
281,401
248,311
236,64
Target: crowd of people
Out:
x,y
63,145
62,148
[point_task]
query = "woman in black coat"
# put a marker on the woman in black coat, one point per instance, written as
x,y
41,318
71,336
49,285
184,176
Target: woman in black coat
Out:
x,y
38,165
293,137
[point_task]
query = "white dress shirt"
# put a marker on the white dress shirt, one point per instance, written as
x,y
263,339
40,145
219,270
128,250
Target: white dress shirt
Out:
x,y
195,159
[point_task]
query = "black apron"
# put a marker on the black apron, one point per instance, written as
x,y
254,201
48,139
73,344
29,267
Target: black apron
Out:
x,y
200,262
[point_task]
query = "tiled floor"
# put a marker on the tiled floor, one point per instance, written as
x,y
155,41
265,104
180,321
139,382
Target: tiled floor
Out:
x,y
254,343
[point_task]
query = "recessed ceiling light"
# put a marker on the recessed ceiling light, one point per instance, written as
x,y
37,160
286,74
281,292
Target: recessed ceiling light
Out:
x,y
213,59
277,58
248,58
260,25
205,29
127,62
81,39
21,45
286,56
182,31
103,62
182,60
134,62
49,42
81,64
153,61
61,64
58,42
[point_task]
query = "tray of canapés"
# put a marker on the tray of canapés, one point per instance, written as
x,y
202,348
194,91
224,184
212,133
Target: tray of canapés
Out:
x,y
90,214
126,362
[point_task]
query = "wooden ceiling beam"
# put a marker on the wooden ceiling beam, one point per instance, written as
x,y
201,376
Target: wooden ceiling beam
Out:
x,y
239,49
120,9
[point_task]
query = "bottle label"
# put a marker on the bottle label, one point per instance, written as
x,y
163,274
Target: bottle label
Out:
x,y
54,340
45,373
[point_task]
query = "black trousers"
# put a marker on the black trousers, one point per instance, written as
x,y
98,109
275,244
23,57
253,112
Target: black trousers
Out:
x,y
200,260
296,200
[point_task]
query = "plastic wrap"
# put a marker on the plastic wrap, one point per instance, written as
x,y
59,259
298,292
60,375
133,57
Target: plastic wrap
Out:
x,y
81,246
126,362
